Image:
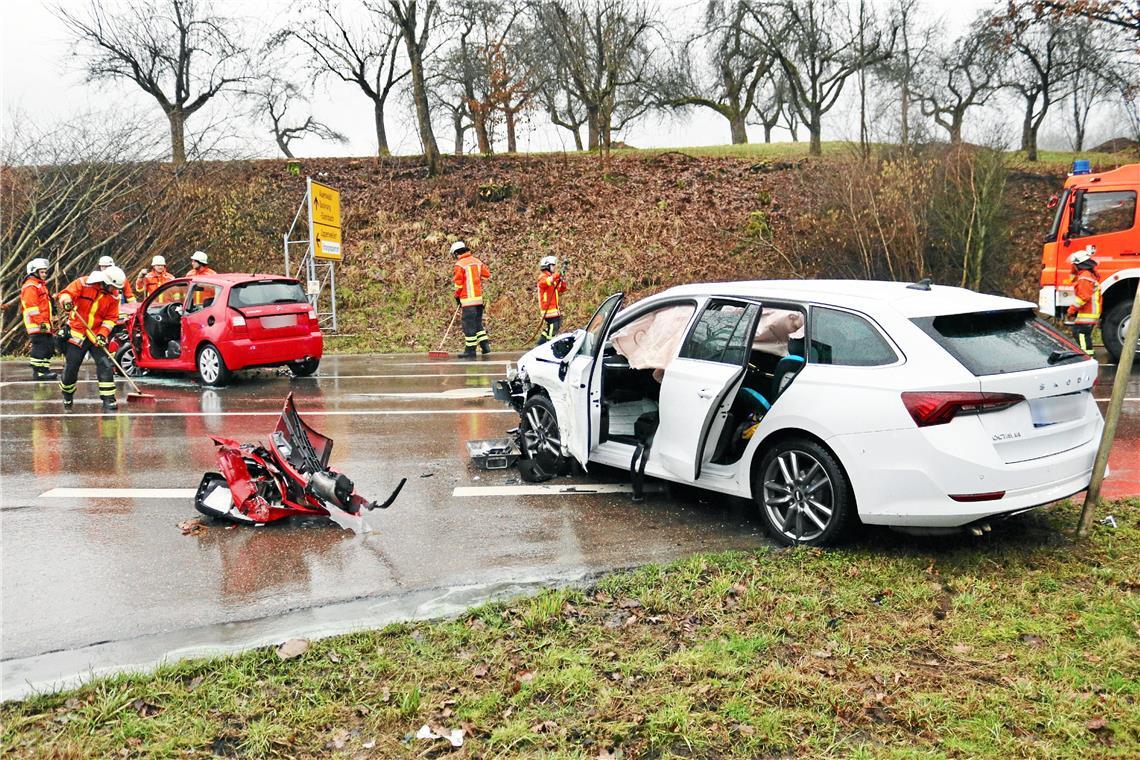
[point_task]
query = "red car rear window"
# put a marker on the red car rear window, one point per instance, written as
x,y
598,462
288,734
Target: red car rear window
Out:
x,y
265,292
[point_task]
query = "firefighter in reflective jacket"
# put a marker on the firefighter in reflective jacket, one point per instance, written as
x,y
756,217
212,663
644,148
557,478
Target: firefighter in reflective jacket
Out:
x,y
94,306
199,265
551,285
1084,313
150,281
468,277
35,304
126,295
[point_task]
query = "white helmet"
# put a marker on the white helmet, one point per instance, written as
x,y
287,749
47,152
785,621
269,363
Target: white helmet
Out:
x,y
114,277
458,247
158,261
200,257
37,264
548,262
1083,255
106,261
96,277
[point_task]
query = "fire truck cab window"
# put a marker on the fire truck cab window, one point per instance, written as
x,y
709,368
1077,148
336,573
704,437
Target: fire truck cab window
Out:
x,y
1105,212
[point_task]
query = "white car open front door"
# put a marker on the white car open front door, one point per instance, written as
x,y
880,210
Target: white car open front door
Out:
x,y
699,385
583,383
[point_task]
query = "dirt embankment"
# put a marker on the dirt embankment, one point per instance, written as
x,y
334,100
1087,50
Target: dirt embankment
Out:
x,y
637,223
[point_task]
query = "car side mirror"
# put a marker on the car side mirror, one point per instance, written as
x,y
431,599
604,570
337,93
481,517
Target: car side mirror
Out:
x,y
562,347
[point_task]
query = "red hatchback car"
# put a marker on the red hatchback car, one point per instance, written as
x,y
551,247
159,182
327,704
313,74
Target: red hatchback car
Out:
x,y
221,323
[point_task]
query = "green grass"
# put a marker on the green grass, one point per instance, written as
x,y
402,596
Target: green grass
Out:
x,y
1022,645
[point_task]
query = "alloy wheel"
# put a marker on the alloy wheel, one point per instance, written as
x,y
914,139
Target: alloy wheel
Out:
x,y
209,364
541,434
127,362
798,495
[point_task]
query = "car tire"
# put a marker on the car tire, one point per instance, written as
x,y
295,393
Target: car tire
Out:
x,y
1113,326
211,367
304,368
540,441
125,356
802,493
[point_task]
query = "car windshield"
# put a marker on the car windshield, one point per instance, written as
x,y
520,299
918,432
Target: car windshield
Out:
x,y
597,323
266,292
997,342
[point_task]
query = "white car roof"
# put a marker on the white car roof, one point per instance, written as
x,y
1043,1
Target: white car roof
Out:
x,y
862,295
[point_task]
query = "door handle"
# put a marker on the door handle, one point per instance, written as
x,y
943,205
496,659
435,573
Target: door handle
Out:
x,y
1130,253
705,393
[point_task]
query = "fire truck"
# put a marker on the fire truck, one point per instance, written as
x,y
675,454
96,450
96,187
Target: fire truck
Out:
x,y
1096,209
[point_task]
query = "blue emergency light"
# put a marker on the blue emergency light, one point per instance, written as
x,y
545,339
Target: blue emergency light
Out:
x,y
1082,166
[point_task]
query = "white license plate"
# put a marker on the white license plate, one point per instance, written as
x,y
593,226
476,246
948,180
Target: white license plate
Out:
x,y
1055,409
279,320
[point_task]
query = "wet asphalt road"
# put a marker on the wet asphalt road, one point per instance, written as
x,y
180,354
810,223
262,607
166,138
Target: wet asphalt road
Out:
x,y
93,583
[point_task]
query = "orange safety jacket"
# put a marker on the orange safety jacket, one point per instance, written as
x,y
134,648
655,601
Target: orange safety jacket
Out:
x,y
469,275
128,293
1087,307
152,281
201,271
550,284
96,310
35,303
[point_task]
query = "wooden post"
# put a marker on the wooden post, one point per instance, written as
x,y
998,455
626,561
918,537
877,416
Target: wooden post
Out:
x,y
1111,417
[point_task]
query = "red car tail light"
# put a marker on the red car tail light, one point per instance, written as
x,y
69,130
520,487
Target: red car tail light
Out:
x,y
968,497
939,407
238,323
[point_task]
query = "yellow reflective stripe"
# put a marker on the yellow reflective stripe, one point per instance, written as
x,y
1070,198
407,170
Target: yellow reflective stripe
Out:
x,y
32,310
108,323
94,311
467,272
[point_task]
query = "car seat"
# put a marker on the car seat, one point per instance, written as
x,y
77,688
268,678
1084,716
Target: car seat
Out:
x,y
644,430
786,370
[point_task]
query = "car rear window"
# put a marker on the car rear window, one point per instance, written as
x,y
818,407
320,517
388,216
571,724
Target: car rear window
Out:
x,y
265,292
997,342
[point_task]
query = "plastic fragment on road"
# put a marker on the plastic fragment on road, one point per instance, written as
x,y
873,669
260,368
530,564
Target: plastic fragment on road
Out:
x,y
453,736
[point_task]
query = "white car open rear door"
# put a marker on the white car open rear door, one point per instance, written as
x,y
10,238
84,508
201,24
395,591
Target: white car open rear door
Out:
x,y
700,385
583,383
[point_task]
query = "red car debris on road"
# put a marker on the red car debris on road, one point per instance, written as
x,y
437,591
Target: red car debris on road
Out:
x,y
217,324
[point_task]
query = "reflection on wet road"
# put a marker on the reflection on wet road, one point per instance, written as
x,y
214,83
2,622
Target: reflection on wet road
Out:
x,y
102,580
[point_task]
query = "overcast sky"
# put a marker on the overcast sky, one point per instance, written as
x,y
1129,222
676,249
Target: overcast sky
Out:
x,y
41,81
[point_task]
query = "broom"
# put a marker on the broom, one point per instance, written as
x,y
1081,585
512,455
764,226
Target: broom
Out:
x,y
440,353
137,397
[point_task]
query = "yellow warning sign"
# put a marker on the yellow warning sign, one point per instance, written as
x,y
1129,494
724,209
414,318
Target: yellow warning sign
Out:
x,y
326,242
324,211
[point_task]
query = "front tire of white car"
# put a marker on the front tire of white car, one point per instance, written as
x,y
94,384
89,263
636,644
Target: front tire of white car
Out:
x,y
541,441
803,494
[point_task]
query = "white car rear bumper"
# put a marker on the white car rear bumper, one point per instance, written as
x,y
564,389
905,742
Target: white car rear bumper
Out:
x,y
899,479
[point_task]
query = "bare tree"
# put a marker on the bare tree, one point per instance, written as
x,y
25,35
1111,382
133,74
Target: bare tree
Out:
x,y
1095,75
415,29
178,52
771,103
819,47
1040,70
605,48
1120,14
555,94
954,79
902,69
738,64
363,53
278,101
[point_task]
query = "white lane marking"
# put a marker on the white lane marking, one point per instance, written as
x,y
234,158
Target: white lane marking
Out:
x,y
544,490
460,362
119,493
307,412
190,383
453,393
1126,398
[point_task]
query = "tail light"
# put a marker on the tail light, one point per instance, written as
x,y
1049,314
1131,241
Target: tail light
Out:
x,y
939,407
237,322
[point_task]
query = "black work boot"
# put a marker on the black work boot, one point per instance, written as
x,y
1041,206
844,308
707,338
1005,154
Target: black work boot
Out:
x,y
45,374
110,404
68,400
485,347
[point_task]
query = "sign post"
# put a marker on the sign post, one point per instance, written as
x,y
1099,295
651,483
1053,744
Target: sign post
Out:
x,y
317,266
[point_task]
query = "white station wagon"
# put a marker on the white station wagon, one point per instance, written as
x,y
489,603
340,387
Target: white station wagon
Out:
x,y
920,407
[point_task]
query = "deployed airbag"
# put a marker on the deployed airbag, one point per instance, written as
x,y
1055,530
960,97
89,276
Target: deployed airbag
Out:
x,y
651,341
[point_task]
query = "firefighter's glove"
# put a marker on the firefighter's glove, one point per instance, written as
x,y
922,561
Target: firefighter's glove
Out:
x,y
101,341
458,302
45,327
142,274
67,305
1071,314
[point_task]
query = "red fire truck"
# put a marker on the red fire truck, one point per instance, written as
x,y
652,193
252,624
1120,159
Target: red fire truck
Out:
x,y
1095,209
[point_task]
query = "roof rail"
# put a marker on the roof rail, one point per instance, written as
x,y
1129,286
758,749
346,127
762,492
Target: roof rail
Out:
x,y
923,284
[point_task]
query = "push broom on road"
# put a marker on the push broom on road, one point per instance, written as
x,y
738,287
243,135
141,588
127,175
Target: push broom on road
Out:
x,y
440,353
135,397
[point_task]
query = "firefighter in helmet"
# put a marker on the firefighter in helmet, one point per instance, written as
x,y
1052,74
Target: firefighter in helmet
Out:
x,y
93,303
1084,313
35,305
149,281
199,265
128,295
551,285
468,277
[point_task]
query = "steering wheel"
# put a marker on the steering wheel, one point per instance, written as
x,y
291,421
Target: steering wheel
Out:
x,y
172,312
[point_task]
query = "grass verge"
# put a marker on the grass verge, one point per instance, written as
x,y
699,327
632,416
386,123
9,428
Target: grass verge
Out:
x,y
1020,645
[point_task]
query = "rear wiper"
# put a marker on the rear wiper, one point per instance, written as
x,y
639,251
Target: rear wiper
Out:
x,y
1062,355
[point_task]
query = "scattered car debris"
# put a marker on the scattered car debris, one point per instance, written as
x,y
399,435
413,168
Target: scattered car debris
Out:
x,y
290,477
192,527
292,648
494,453
432,731
1110,521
